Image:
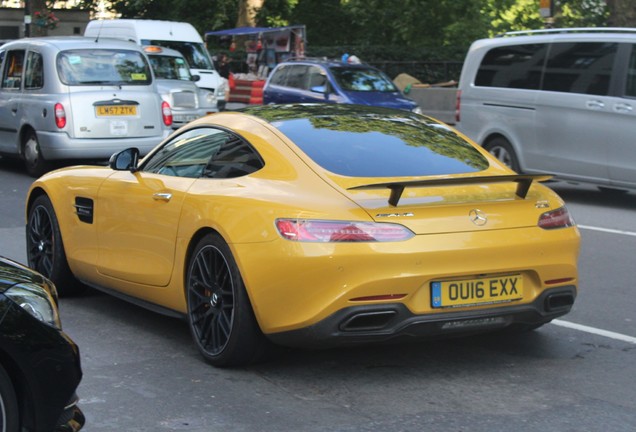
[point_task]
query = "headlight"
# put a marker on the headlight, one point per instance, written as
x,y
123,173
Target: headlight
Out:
x,y
210,98
36,301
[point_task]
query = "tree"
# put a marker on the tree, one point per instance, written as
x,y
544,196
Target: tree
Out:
x,y
622,13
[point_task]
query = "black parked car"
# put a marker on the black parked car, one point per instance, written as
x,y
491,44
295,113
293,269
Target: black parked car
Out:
x,y
39,364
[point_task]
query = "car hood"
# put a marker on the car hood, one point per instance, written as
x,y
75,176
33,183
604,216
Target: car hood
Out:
x,y
12,273
382,99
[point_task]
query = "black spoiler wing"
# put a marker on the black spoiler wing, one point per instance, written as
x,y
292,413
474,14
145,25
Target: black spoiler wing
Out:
x,y
397,188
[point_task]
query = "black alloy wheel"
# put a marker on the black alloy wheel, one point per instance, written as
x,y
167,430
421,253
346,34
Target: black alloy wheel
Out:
x,y
45,250
9,412
220,315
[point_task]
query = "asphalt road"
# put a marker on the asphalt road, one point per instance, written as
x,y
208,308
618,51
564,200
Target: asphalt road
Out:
x,y
143,373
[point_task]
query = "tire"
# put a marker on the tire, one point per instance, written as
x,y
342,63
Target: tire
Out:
x,y
9,412
34,162
45,248
501,149
220,315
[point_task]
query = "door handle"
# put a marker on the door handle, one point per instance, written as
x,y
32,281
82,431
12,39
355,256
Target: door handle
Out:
x,y
162,196
595,104
623,108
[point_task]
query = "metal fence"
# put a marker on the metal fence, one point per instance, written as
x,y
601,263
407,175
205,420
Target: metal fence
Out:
x,y
428,72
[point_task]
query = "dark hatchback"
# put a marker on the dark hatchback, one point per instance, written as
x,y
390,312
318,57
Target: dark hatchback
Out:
x,y
39,364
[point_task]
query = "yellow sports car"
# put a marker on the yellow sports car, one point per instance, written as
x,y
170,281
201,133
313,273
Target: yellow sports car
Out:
x,y
310,225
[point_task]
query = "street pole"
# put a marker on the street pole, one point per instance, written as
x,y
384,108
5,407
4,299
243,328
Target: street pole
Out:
x,y
27,18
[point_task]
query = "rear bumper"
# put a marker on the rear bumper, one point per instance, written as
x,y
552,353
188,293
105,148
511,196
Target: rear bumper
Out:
x,y
391,322
56,145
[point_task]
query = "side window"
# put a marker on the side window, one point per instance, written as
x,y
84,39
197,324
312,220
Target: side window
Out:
x,y
297,77
583,67
630,85
235,158
34,73
188,154
317,77
13,69
280,76
204,152
514,66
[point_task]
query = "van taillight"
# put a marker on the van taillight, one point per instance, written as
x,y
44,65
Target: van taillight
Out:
x,y
458,102
166,113
60,116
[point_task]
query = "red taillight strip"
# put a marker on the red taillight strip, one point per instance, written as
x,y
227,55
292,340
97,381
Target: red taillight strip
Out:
x,y
559,218
558,281
326,231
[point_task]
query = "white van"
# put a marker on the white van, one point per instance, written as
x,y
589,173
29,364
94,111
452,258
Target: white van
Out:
x,y
180,36
561,101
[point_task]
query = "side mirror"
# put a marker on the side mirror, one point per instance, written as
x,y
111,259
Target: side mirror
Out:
x,y
125,160
195,78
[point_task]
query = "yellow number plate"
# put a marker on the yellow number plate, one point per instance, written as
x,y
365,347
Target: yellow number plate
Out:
x,y
117,110
470,292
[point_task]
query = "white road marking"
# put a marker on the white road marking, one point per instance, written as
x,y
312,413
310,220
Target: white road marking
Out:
x,y
600,332
608,230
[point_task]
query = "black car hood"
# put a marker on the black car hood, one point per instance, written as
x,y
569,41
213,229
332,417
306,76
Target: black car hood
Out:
x,y
12,273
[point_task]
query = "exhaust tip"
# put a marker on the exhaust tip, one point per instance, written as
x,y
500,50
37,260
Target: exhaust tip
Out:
x,y
558,301
368,321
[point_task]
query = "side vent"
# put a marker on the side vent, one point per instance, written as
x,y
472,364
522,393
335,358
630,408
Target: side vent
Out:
x,y
84,209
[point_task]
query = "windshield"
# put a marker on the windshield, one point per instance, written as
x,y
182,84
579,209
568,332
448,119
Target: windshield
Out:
x,y
195,53
103,67
170,67
362,80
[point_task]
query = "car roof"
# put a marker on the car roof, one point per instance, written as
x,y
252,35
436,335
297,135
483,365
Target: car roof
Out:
x,y
327,63
73,42
592,34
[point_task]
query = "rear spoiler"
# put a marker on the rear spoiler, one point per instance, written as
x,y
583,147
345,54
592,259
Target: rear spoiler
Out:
x,y
397,188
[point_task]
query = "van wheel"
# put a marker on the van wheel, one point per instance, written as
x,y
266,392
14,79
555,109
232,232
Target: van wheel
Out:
x,y
35,163
501,149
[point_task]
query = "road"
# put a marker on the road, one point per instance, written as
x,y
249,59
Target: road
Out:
x,y
143,373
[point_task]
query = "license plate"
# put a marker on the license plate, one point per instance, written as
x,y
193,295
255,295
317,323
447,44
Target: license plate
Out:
x,y
469,292
183,118
116,110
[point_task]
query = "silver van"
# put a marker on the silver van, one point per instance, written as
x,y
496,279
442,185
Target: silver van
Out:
x,y
74,98
561,101
177,86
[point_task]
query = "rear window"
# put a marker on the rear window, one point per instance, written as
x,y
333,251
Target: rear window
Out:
x,y
362,80
382,144
170,67
103,67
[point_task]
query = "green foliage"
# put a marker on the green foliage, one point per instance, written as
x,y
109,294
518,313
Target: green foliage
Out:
x,y
377,30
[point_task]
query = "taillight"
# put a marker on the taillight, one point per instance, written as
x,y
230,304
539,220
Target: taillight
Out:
x,y
559,218
458,102
340,231
60,116
166,113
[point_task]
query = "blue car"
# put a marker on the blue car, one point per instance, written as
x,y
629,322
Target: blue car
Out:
x,y
331,81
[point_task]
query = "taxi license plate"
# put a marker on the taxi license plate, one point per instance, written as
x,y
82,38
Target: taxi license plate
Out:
x,y
116,110
469,292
